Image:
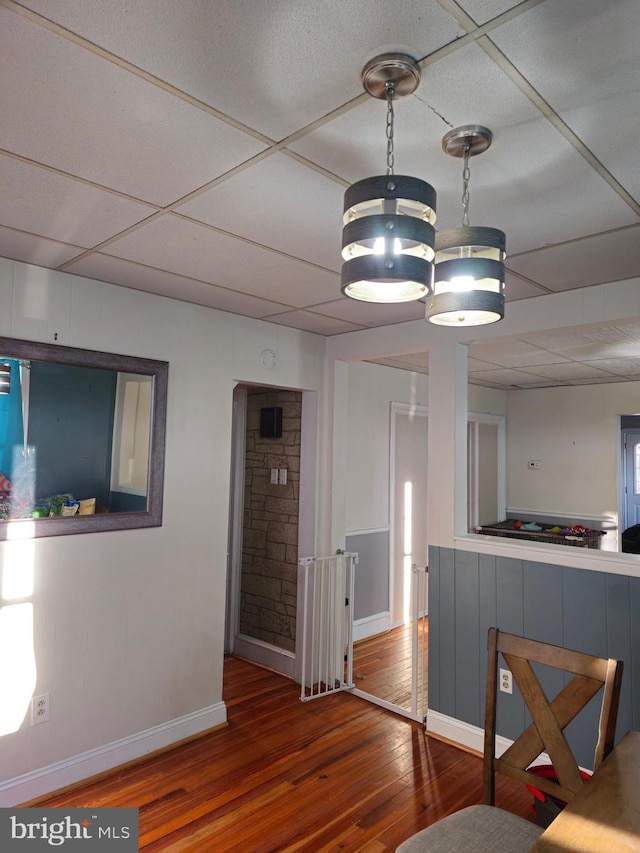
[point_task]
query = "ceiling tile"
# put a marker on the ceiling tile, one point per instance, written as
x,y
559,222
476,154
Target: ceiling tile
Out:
x,y
313,323
485,10
476,364
614,349
104,124
178,245
569,371
516,378
128,274
61,208
370,313
34,250
602,381
567,341
517,287
631,329
620,366
279,203
417,362
514,353
274,66
599,259
582,56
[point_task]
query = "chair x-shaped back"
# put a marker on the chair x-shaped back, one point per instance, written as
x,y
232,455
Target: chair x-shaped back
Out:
x,y
550,718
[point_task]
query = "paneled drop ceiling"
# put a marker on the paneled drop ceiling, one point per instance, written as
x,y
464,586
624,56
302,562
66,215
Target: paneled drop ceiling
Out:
x,y
200,149
578,356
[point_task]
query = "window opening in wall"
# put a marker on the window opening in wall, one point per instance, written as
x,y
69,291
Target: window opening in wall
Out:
x,y
628,538
130,454
486,489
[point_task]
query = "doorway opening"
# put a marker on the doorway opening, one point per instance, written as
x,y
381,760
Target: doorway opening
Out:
x,y
391,580
629,479
391,630
271,521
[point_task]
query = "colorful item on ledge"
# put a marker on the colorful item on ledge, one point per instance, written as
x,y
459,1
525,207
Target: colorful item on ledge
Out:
x,y
69,508
87,506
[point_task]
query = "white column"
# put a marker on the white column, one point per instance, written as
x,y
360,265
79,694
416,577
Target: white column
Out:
x,y
447,488
332,461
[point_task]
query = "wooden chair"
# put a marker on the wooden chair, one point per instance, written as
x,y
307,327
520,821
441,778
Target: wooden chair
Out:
x,y
485,828
550,718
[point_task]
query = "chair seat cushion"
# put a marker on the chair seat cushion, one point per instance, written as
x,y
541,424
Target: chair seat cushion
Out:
x,y
476,829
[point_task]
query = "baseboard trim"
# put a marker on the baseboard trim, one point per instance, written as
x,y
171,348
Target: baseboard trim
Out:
x,y
279,660
37,783
472,737
457,731
369,626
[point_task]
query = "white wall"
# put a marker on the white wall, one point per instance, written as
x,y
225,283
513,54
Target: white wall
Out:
x,y
371,390
575,433
128,626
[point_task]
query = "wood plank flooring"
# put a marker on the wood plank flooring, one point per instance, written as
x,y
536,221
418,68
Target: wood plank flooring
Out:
x,y
382,665
334,774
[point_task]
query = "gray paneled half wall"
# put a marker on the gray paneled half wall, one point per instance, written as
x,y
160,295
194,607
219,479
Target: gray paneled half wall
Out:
x,y
593,612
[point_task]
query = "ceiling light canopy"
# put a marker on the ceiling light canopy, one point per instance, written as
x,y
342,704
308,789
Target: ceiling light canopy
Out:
x,y
469,277
388,235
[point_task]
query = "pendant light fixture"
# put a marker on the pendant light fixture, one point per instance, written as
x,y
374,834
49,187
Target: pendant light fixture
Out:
x,y
469,274
388,236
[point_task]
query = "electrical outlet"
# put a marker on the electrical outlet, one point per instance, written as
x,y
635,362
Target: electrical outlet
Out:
x,y
39,709
283,476
506,684
274,476
535,463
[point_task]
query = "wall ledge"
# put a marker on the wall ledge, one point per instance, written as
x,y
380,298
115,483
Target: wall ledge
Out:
x,y
38,783
560,555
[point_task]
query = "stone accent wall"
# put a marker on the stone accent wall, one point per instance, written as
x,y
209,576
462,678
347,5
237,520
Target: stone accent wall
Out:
x,y
268,587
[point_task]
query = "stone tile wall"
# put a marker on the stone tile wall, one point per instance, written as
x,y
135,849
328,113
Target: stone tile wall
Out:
x,y
270,533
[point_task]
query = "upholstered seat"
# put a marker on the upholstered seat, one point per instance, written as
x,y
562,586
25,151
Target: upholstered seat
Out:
x,y
481,829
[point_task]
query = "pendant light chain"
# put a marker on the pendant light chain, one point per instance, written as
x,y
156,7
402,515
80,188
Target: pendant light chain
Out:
x,y
466,174
390,90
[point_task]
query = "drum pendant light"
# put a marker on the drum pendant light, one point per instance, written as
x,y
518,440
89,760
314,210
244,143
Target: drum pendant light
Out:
x,y
469,275
388,235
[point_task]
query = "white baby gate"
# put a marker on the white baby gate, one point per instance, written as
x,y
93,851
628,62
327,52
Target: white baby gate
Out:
x,y
327,639
327,587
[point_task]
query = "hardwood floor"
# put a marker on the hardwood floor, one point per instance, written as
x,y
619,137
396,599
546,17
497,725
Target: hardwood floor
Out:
x,y
334,774
382,665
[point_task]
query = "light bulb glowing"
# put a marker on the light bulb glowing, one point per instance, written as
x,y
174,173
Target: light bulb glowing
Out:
x,y
379,246
461,283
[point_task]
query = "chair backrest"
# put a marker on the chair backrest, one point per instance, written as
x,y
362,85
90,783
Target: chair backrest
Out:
x,y
546,732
